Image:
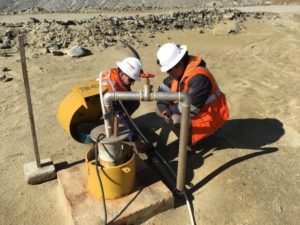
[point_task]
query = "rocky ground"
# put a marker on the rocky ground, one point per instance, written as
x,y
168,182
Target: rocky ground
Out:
x,y
103,31
246,174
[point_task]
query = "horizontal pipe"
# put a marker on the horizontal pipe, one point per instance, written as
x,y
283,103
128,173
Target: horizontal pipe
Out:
x,y
138,96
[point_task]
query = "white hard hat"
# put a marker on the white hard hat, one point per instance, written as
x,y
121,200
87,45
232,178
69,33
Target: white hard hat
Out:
x,y
131,67
169,54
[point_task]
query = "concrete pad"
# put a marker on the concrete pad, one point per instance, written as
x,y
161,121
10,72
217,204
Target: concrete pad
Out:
x,y
149,197
35,175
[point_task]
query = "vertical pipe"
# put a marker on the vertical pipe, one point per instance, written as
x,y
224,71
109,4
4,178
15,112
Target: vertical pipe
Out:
x,y
108,101
28,98
183,141
116,126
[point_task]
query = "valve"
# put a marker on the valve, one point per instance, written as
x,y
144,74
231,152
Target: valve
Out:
x,y
147,86
147,75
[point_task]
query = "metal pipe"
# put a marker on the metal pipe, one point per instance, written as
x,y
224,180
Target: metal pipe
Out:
x,y
184,134
146,92
184,99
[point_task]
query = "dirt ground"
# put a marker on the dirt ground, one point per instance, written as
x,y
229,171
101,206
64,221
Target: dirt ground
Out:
x,y
248,173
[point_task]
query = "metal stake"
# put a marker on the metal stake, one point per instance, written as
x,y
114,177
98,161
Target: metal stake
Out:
x,y
28,98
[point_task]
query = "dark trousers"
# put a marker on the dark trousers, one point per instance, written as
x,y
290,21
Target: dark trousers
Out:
x,y
131,106
175,125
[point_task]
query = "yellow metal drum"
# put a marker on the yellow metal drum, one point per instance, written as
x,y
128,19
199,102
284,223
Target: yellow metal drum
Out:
x,y
117,181
80,107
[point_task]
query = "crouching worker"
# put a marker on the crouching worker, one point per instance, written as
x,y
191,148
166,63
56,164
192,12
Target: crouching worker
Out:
x,y
121,79
188,74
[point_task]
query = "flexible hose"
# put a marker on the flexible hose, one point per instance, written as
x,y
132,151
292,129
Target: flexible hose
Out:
x,y
99,138
184,191
164,161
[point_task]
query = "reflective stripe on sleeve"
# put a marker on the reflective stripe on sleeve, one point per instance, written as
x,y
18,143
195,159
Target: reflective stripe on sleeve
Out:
x,y
164,88
194,110
213,97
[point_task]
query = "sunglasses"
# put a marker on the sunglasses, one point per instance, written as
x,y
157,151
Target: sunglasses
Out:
x,y
130,79
174,67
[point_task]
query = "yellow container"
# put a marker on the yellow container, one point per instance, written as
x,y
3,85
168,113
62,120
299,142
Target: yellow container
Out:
x,y
118,181
80,107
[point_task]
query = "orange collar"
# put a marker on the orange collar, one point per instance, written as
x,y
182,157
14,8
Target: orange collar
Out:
x,y
193,62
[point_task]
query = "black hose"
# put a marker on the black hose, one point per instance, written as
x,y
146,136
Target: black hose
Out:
x,y
159,156
132,50
99,138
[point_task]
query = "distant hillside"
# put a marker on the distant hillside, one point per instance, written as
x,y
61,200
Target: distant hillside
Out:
x,y
74,5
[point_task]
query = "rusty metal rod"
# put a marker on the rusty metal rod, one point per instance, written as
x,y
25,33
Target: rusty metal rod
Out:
x,y
28,98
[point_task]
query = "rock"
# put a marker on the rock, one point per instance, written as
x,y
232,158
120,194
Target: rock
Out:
x,y
47,50
4,46
57,53
54,48
4,54
65,44
228,16
231,31
68,23
9,34
8,79
33,20
5,69
3,77
77,51
111,32
104,30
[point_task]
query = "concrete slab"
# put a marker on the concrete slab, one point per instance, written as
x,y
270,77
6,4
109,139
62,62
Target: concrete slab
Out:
x,y
35,175
150,197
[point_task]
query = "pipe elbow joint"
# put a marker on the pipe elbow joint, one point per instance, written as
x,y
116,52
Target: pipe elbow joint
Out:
x,y
185,99
108,98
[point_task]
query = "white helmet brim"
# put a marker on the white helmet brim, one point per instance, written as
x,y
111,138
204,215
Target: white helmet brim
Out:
x,y
182,51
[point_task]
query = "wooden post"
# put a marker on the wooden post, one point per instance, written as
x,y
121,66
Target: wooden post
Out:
x,y
28,98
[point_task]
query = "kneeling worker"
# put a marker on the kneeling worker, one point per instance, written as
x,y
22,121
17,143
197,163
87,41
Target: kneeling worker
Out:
x,y
121,79
188,74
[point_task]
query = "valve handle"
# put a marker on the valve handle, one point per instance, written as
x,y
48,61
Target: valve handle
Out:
x,y
147,75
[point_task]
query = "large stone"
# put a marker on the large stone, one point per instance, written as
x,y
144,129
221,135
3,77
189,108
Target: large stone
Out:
x,y
77,51
35,175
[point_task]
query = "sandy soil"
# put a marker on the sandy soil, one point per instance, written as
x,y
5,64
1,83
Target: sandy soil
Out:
x,y
248,173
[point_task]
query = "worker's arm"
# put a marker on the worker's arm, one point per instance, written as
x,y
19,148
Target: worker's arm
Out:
x,y
164,106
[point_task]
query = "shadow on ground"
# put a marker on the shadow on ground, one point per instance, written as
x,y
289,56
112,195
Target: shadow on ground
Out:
x,y
248,134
